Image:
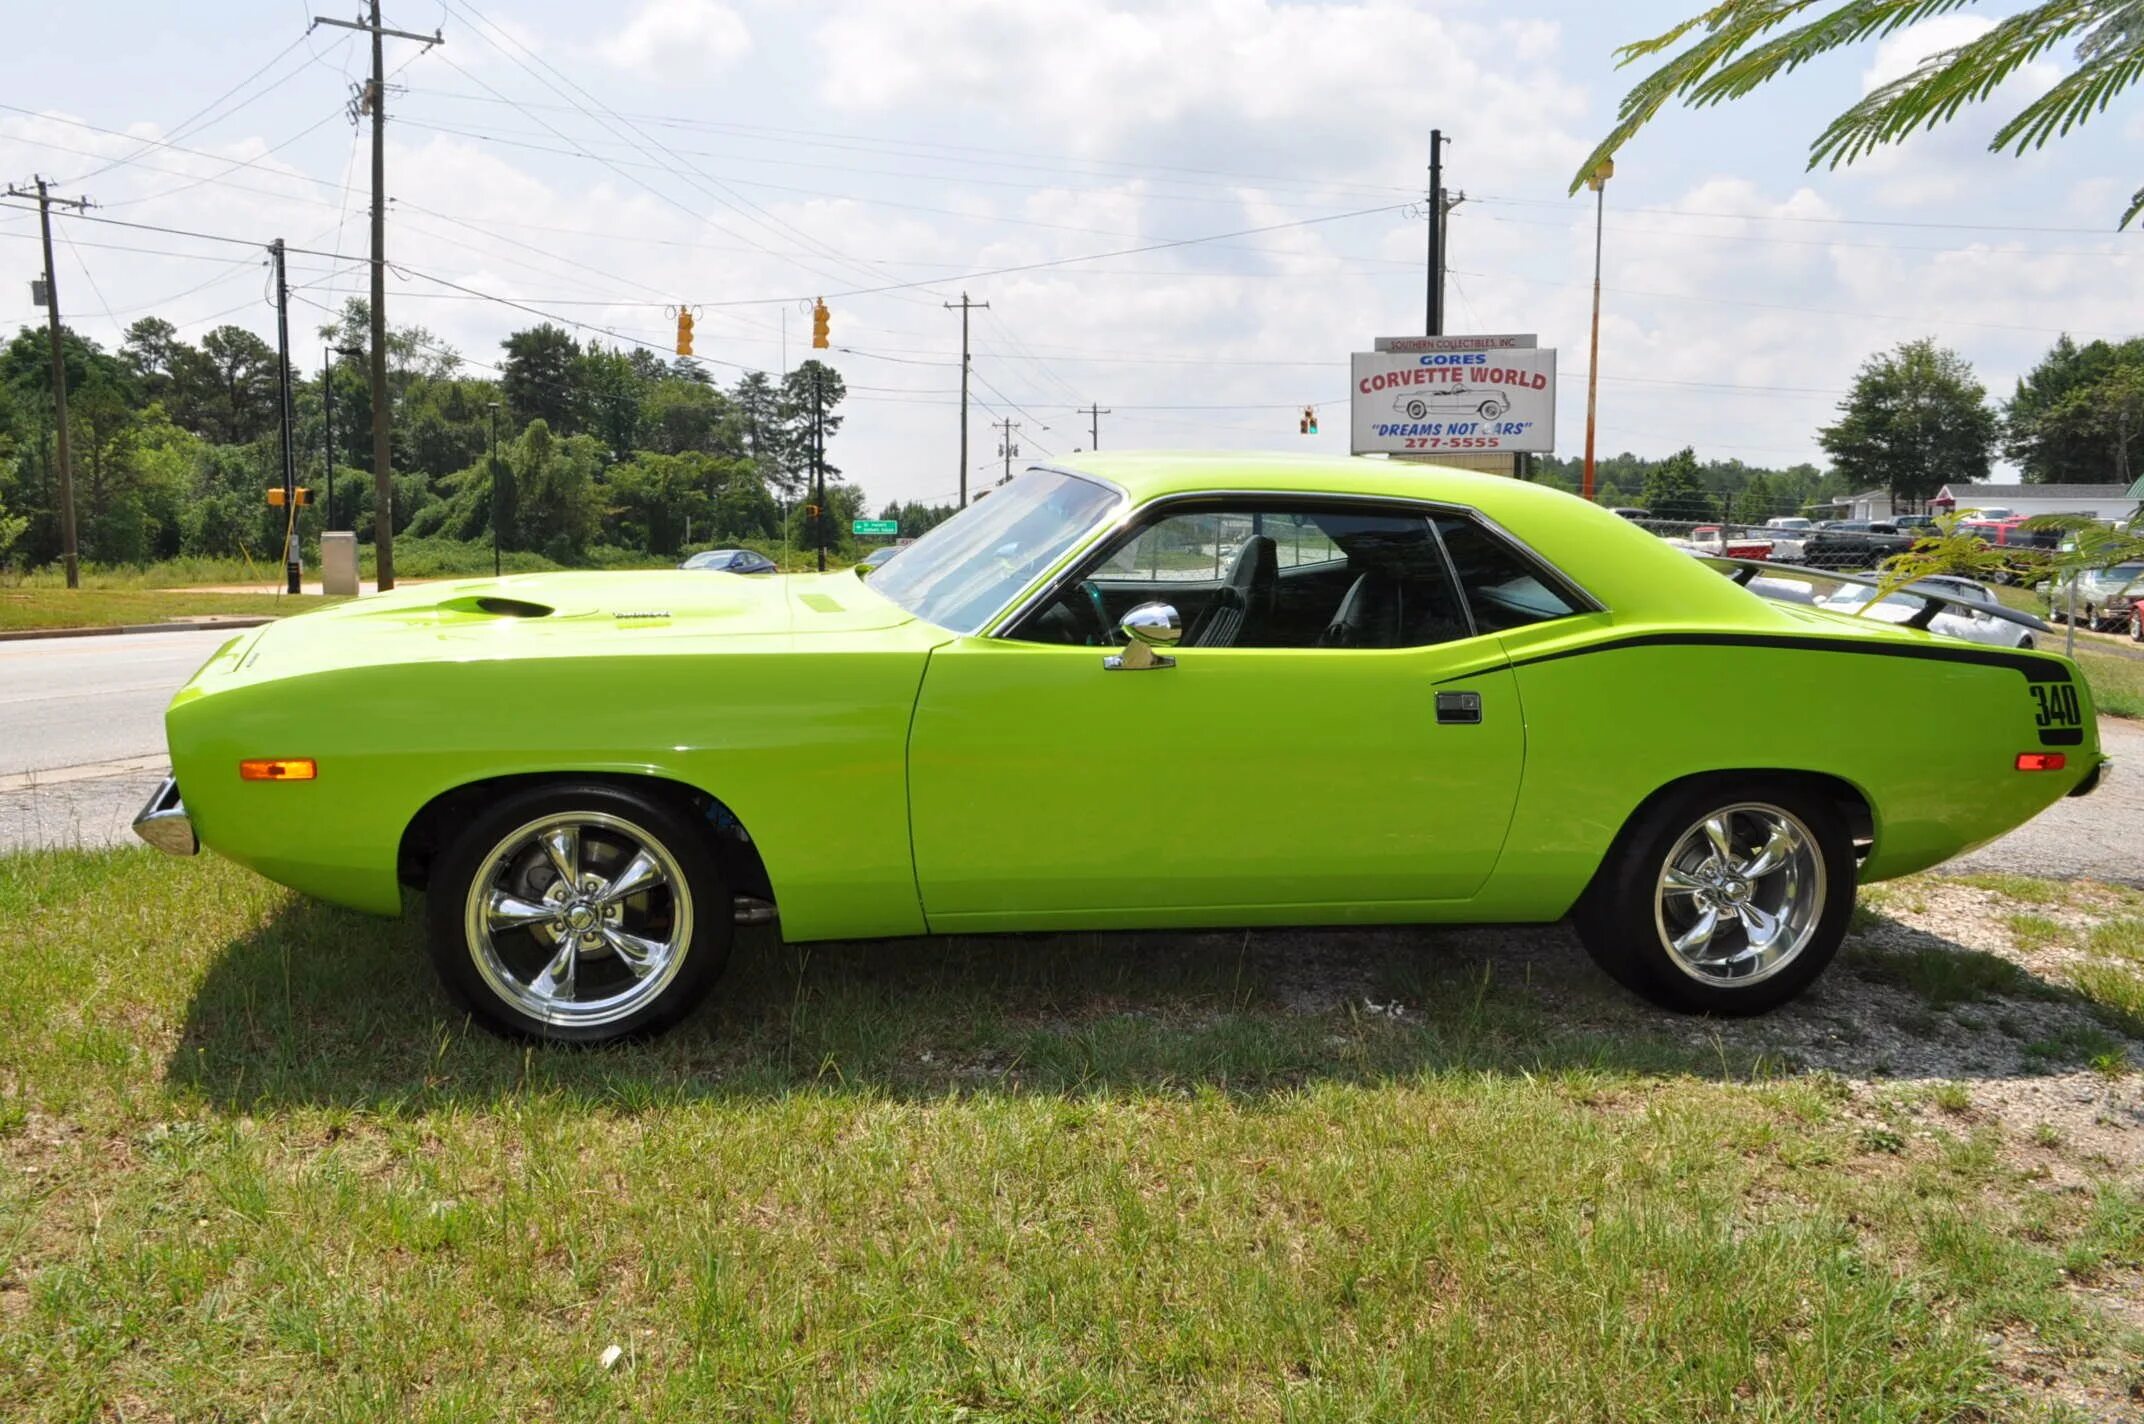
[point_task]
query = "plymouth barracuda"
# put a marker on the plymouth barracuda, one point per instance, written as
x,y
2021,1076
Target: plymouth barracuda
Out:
x,y
1145,692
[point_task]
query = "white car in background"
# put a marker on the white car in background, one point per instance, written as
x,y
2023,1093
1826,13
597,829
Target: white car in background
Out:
x,y
1973,627
1789,534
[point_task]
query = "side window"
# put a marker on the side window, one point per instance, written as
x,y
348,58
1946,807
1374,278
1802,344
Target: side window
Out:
x,y
1504,590
1269,576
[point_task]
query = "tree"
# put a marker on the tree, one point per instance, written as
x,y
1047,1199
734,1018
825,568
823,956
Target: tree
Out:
x,y
232,380
540,378
11,527
2067,420
793,415
1914,421
152,351
1674,491
1741,44
2107,416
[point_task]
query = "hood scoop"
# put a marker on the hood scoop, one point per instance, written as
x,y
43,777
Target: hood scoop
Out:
x,y
495,606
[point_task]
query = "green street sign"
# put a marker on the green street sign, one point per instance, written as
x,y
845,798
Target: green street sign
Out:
x,y
874,526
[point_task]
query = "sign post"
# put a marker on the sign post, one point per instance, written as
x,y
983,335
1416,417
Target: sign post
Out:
x,y
1434,395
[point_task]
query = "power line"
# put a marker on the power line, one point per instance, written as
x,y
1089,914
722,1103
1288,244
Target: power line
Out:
x,y
1796,218
179,129
1796,307
950,152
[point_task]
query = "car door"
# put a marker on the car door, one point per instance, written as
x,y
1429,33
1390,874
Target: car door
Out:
x,y
1282,776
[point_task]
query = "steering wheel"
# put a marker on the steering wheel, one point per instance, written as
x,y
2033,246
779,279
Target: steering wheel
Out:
x,y
1098,631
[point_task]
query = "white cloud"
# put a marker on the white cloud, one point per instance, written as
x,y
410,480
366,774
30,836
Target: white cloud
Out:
x,y
680,39
1349,84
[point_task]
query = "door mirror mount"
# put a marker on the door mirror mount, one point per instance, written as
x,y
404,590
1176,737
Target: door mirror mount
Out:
x,y
1147,628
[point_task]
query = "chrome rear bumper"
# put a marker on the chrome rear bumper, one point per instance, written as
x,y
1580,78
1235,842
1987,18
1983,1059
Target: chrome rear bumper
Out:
x,y
164,823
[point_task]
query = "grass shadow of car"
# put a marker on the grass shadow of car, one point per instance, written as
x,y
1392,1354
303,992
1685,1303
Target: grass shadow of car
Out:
x,y
319,1006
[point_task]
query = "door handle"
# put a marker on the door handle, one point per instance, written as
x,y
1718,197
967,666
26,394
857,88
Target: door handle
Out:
x,y
1459,707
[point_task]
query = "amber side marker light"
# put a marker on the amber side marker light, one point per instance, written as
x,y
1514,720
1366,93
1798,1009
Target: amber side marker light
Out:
x,y
278,769
2026,761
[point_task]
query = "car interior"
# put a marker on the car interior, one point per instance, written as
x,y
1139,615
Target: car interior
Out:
x,y
1297,577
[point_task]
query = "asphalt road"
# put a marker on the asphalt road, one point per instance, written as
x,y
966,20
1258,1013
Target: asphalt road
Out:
x,y
82,746
82,731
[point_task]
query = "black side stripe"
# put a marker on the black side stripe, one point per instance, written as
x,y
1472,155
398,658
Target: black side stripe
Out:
x,y
2032,668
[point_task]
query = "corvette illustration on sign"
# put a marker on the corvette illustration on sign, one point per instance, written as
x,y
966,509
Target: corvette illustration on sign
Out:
x,y
1146,692
1484,401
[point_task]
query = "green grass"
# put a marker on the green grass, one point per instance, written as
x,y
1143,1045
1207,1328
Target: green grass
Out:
x,y
251,1166
36,605
2117,682
414,559
2025,889
2031,932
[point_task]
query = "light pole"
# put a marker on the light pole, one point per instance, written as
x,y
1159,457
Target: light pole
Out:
x,y
494,405
1597,180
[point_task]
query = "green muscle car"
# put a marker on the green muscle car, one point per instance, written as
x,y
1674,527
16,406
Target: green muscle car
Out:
x,y
1150,692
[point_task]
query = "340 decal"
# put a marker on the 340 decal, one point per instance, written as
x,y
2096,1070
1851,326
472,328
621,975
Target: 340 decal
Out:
x,y
2057,705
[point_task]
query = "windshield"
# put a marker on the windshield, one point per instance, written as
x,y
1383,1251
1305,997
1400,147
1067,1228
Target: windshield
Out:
x,y
971,566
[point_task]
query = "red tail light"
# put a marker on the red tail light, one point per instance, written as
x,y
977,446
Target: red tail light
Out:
x,y
2041,761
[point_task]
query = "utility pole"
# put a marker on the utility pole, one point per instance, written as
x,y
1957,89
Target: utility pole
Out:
x,y
292,574
375,100
69,552
1094,425
495,492
1433,278
327,434
818,461
1006,446
965,306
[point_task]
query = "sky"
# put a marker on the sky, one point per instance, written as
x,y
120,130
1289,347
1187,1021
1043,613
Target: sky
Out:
x,y
1188,212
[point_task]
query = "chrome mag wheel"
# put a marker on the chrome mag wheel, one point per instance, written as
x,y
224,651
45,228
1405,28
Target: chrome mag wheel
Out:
x,y
1740,895
580,918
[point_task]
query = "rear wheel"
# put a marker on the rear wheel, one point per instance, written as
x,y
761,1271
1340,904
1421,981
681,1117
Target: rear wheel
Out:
x,y
579,913
1723,898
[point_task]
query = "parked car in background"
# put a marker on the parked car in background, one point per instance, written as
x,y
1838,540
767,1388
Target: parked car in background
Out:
x,y
730,561
1631,511
878,558
1970,624
1919,524
1714,539
2032,546
1854,543
1789,534
1412,694
2106,599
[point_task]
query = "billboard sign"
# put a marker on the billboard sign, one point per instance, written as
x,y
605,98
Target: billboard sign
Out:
x,y
1500,400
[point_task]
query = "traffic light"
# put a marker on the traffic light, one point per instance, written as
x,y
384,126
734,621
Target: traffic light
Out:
x,y
275,496
1309,423
684,332
811,511
819,318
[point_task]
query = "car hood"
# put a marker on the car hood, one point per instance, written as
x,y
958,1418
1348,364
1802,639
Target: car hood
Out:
x,y
570,615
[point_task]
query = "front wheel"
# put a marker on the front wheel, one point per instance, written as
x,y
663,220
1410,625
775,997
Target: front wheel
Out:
x,y
1723,899
579,913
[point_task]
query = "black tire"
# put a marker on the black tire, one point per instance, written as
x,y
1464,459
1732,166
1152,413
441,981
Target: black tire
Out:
x,y
701,922
1619,918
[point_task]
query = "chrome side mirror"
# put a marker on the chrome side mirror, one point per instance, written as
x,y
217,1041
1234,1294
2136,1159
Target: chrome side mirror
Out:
x,y
1146,628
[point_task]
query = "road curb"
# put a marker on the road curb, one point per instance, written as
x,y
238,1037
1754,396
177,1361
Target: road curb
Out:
x,y
181,625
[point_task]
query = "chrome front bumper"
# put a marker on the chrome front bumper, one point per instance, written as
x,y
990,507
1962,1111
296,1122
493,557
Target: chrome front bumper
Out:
x,y
164,823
